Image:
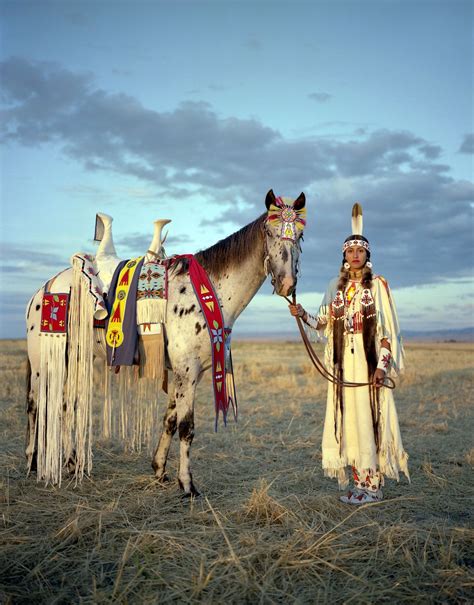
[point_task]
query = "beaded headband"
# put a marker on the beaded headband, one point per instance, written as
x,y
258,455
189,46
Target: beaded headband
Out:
x,y
356,242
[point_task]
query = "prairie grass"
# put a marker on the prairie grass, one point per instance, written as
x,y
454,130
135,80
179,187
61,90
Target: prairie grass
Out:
x,y
269,527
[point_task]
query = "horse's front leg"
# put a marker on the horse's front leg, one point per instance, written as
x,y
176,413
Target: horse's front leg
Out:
x,y
185,388
169,429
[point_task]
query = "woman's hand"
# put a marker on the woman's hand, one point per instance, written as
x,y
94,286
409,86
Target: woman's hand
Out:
x,y
297,310
379,377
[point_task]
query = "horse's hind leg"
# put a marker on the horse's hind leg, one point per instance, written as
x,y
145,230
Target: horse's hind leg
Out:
x,y
30,450
33,319
179,416
185,387
169,429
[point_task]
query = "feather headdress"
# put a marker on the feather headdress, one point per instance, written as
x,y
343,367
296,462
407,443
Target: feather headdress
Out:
x,y
357,229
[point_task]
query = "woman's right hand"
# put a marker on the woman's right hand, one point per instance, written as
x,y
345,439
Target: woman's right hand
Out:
x,y
297,310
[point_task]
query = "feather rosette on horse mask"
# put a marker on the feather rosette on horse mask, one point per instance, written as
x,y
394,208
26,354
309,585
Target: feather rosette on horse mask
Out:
x,y
237,266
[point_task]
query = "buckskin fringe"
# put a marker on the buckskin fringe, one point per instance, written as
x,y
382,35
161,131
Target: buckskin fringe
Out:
x,y
137,409
130,412
78,425
152,356
50,407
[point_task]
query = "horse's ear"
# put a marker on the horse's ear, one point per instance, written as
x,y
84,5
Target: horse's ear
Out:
x,y
299,203
270,199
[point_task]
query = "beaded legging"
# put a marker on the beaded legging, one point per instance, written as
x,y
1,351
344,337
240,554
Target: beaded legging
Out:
x,y
367,480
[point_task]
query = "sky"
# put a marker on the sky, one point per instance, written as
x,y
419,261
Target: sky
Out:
x,y
193,110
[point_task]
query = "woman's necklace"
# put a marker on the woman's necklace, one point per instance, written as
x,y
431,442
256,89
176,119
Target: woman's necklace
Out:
x,y
349,310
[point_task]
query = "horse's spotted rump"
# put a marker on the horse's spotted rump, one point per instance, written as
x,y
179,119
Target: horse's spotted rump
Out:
x,y
197,328
190,310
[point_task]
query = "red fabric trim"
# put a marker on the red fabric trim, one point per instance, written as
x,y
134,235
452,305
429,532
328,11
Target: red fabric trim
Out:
x,y
211,310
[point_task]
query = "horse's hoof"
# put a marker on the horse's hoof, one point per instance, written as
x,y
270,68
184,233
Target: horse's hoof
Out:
x,y
192,493
32,464
163,479
71,463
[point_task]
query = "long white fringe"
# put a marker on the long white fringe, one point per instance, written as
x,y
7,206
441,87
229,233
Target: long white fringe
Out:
x,y
50,407
78,424
131,411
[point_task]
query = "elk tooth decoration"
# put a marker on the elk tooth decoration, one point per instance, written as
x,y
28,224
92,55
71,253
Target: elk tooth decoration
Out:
x,y
282,211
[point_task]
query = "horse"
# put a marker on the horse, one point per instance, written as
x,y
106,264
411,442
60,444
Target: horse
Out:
x,y
237,267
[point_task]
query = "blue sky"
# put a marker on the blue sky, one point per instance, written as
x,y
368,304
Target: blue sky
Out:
x,y
193,110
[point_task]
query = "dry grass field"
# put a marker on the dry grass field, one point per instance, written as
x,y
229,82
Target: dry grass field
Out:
x,y
268,527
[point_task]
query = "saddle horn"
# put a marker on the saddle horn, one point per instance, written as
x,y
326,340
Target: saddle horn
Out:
x,y
155,249
103,234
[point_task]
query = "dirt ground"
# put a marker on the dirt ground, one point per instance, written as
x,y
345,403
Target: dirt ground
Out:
x,y
268,527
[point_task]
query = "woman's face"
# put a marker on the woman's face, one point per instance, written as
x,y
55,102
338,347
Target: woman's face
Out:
x,y
356,256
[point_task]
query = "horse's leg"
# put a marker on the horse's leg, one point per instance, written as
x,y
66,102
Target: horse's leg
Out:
x,y
33,320
179,416
169,429
185,387
30,450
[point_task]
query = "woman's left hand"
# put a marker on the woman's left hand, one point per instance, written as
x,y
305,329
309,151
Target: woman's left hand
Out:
x,y
379,377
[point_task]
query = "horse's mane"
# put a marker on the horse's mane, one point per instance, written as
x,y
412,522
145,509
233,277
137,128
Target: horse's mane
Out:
x,y
227,252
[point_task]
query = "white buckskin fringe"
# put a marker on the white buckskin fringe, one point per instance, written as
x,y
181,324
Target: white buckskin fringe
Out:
x,y
138,410
78,425
130,411
50,407
151,310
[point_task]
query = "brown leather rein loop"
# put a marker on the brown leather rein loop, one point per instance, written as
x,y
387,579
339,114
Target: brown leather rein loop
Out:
x,y
319,365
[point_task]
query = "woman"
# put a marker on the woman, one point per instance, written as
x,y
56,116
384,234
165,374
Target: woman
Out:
x,y
360,322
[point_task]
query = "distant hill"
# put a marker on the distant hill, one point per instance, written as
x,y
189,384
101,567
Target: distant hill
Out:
x,y
459,335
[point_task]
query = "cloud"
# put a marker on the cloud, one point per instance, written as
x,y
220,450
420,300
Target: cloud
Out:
x,y
467,145
320,97
140,241
418,217
17,257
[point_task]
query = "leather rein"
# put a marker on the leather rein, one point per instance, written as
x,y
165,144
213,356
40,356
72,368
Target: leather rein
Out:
x,y
319,365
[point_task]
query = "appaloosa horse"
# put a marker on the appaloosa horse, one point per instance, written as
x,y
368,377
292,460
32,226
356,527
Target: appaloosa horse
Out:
x,y
237,266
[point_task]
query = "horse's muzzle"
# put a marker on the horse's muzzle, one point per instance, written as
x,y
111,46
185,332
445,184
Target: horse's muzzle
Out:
x,y
285,286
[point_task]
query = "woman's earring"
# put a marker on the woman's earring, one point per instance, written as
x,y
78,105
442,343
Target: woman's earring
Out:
x,y
368,264
347,266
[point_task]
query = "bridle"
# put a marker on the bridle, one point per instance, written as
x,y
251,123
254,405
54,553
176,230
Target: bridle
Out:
x,y
267,266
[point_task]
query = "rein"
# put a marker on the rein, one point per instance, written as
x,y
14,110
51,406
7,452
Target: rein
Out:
x,y
319,365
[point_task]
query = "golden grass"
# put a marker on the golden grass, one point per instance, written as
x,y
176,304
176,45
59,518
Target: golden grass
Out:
x,y
269,527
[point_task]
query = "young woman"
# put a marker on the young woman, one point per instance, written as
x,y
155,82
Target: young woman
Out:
x,y
359,320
